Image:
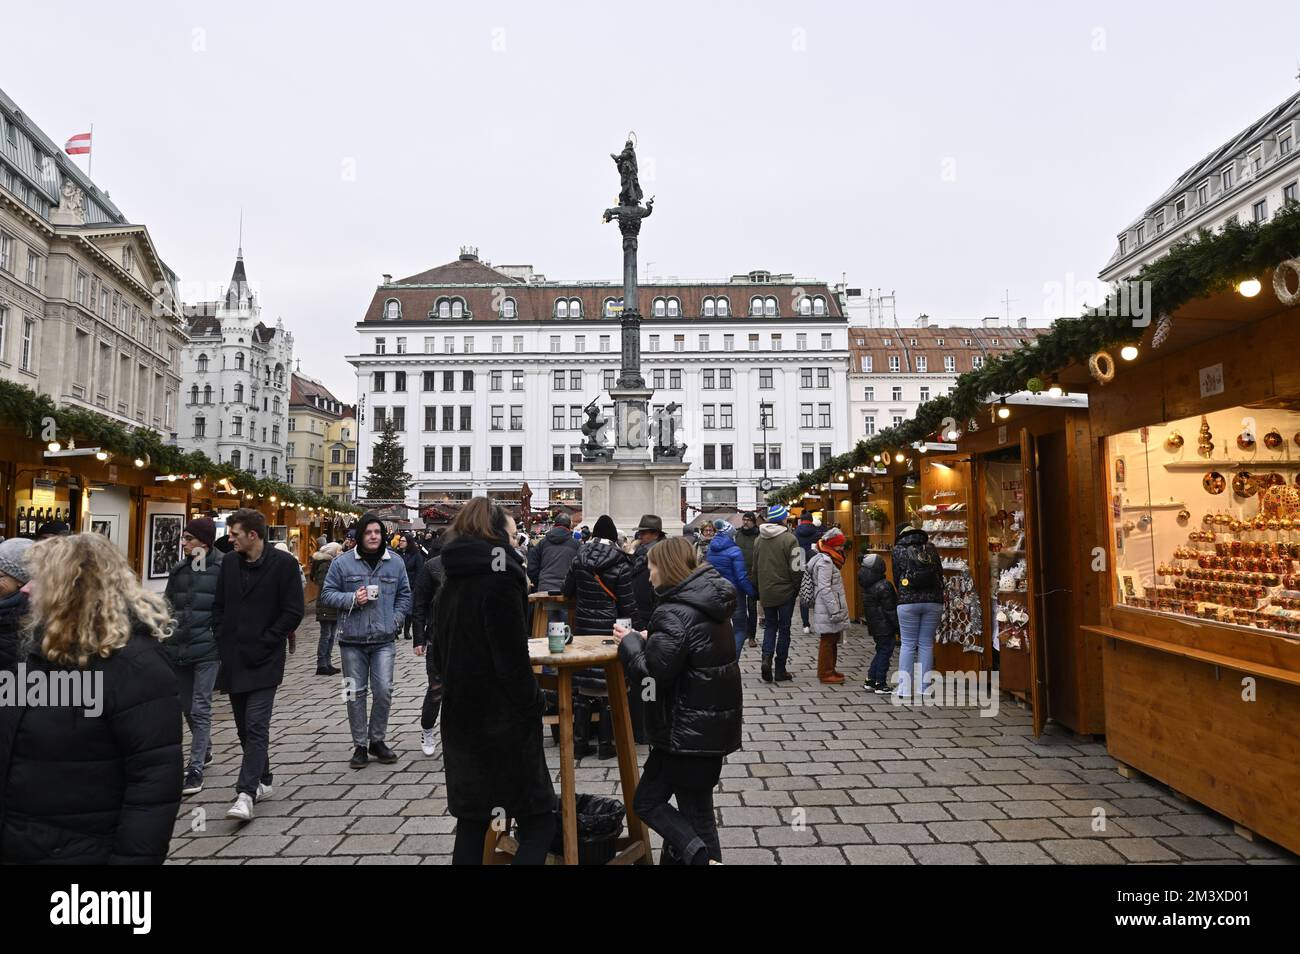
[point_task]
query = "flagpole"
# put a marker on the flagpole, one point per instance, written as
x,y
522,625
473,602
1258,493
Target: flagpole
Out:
x,y
91,153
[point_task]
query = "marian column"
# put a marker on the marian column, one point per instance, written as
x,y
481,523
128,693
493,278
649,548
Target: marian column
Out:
x,y
640,471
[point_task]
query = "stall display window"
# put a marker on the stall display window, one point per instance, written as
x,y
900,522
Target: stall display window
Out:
x,y
1206,517
1004,532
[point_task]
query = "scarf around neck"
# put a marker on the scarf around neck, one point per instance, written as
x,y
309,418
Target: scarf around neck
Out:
x,y
836,555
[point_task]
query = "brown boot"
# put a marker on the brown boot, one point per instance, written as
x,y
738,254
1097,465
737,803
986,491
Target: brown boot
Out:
x,y
835,656
826,661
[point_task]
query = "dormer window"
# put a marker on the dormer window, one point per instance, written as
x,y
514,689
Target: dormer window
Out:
x,y
1160,221
819,306
769,308
674,308
575,308
1284,143
1226,178
611,308
660,308
1180,209
724,307
392,309
1139,235
508,308
458,309
709,310
756,307
1256,162
805,305
1203,194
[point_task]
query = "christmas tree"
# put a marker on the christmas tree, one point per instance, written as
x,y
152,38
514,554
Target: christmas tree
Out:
x,y
386,477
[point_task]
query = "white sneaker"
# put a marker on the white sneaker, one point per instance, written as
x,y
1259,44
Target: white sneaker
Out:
x,y
242,809
428,741
807,631
263,791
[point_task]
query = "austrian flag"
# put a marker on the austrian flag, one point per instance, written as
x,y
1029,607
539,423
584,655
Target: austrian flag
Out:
x,y
78,145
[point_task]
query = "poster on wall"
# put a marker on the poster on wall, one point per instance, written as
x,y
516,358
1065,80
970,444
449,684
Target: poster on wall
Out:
x,y
105,525
164,543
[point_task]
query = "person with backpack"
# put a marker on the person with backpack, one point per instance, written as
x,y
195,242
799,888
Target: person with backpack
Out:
x,y
778,572
807,533
880,610
827,605
918,574
725,556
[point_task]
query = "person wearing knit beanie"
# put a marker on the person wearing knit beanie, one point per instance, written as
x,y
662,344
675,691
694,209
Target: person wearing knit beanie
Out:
x,y
13,560
202,529
14,575
605,529
829,607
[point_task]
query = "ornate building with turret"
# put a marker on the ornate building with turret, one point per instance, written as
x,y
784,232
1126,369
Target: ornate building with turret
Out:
x,y
236,378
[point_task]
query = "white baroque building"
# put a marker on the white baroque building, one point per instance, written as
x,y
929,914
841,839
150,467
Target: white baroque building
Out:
x,y
486,372
1248,179
236,375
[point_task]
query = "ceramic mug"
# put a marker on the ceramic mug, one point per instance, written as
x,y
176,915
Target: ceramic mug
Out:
x,y
372,591
558,635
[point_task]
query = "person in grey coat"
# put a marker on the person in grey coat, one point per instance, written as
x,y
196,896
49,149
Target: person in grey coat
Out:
x,y
548,562
370,589
192,649
828,610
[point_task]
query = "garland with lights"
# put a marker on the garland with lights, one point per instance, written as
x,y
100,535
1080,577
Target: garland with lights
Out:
x,y
23,408
1198,267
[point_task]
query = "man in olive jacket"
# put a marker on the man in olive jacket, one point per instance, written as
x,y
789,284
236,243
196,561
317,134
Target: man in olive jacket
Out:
x,y
259,604
192,592
778,571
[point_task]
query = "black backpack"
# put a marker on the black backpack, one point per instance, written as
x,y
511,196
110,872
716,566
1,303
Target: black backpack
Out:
x,y
922,571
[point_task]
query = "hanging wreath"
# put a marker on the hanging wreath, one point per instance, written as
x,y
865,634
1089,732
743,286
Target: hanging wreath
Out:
x,y
1102,367
1284,293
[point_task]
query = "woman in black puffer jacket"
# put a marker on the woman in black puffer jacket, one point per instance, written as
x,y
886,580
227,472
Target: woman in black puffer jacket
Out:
x,y
693,719
918,575
94,780
600,581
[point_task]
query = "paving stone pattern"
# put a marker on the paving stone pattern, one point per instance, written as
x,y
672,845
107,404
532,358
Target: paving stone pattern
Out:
x,y
827,775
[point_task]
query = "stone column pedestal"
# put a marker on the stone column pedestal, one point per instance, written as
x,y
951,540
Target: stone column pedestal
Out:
x,y
627,489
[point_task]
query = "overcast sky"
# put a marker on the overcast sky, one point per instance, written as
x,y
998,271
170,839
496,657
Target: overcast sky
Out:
x,y
947,151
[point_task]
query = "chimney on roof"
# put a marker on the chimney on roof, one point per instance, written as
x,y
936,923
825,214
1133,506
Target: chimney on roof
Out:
x,y
388,279
991,322
923,321
1023,322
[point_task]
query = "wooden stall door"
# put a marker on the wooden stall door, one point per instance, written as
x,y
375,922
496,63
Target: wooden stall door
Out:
x,y
1035,559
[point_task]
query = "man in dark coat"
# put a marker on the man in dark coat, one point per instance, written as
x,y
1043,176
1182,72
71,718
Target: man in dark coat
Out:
x,y
259,604
745,539
648,532
426,589
548,562
192,648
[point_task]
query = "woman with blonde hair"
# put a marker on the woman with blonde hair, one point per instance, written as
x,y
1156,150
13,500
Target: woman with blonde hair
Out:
x,y
693,719
103,789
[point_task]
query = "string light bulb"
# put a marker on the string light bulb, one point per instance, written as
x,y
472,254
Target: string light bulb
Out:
x,y
198,485
1249,288
54,447
139,462
101,455
1128,352
899,457
1004,412
1054,389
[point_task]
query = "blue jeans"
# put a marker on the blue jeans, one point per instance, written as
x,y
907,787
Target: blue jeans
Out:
x,y
326,643
740,623
878,671
776,631
368,666
916,623
196,684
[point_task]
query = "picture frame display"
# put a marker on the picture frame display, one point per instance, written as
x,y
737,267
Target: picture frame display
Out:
x,y
164,543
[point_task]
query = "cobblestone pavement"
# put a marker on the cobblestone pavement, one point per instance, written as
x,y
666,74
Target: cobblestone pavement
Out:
x,y
871,783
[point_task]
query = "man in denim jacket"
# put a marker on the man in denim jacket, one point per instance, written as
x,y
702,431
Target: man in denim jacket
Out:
x,y
367,629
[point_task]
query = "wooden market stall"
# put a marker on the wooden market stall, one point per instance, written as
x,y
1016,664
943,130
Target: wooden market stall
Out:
x,y
1199,458
1026,485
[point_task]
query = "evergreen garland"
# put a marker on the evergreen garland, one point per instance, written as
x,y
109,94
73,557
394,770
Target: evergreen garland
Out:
x,y
1210,263
23,408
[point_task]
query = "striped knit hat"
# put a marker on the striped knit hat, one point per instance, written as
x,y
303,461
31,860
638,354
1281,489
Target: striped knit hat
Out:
x,y
777,513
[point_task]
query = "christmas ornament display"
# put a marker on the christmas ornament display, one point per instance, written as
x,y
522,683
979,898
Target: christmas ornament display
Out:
x,y
1273,439
1174,441
1246,441
1164,325
1204,439
1213,482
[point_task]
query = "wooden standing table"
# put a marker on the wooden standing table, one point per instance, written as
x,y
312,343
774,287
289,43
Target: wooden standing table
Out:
x,y
587,652
543,604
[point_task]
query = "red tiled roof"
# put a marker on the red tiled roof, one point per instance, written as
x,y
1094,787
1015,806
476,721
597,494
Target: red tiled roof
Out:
x,y
476,285
303,389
